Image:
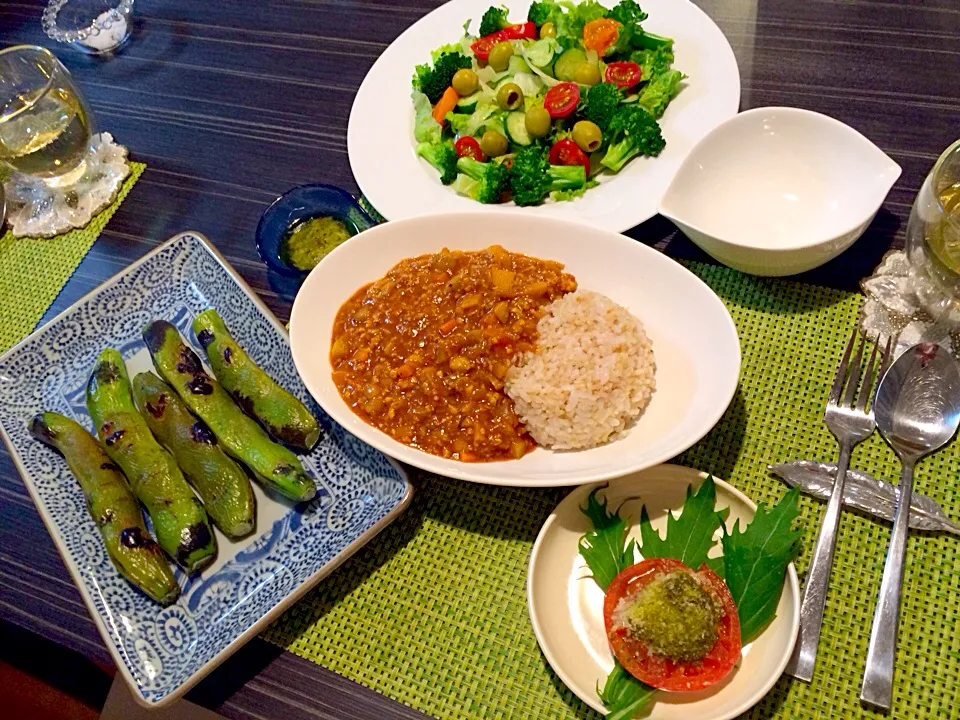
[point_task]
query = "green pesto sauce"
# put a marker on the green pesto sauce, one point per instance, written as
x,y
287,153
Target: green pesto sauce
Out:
x,y
307,242
675,617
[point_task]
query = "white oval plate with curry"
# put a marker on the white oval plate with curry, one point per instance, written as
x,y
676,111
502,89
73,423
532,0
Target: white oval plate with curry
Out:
x,y
694,339
566,605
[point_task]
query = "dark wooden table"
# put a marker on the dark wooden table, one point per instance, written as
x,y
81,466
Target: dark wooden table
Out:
x,y
232,102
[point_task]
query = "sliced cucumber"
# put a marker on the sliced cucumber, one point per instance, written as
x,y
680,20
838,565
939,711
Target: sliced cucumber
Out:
x,y
516,65
517,128
468,103
565,68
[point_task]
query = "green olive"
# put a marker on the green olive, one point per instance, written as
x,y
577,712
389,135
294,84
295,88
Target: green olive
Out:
x,y
509,96
587,135
537,121
587,74
500,55
493,143
465,82
548,29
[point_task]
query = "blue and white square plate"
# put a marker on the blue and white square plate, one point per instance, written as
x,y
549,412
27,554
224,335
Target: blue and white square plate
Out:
x,y
162,652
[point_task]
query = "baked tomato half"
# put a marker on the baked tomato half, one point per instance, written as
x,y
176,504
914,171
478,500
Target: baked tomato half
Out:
x,y
672,627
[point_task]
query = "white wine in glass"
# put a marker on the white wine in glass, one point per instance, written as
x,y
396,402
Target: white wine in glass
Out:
x,y
45,126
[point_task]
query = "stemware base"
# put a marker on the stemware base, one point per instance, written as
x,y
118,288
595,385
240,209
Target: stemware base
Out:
x,y
36,208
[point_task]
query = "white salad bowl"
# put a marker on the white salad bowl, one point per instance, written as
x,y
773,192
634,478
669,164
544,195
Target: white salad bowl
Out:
x,y
778,191
566,605
399,184
694,339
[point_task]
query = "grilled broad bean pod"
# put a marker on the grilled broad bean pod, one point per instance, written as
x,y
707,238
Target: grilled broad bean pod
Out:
x,y
281,414
222,485
179,520
273,465
112,506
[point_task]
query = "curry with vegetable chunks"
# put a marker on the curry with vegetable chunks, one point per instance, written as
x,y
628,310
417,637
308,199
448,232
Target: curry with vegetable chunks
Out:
x,y
422,353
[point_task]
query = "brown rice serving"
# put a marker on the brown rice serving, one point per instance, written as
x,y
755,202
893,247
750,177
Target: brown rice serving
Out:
x,y
590,377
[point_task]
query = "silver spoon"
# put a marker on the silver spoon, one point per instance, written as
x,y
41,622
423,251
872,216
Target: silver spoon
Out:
x,y
917,411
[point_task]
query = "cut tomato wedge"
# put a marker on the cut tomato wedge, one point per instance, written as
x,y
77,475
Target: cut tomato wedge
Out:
x,y
567,152
624,73
658,670
482,46
468,146
600,34
562,99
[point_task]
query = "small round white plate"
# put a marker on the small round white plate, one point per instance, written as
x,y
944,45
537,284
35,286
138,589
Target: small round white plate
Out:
x,y
566,606
694,339
399,184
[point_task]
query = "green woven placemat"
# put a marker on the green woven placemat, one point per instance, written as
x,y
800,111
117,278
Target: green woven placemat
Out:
x,y
33,271
433,611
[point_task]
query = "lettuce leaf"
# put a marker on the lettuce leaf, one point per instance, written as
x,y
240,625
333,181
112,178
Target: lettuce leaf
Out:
x,y
425,128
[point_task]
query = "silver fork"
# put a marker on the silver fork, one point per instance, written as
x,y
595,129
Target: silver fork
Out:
x,y
850,424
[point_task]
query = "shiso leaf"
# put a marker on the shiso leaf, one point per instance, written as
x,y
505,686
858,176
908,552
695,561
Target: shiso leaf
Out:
x,y
605,549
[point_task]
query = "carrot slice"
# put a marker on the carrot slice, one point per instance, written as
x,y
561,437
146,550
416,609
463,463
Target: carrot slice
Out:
x,y
446,103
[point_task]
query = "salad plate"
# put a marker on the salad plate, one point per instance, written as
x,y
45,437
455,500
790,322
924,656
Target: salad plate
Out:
x,y
162,651
383,150
694,339
566,605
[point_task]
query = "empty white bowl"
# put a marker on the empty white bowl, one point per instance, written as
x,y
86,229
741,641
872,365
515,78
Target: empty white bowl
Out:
x,y
777,191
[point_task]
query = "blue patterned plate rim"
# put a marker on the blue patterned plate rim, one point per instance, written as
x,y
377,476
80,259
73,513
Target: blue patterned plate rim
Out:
x,y
291,528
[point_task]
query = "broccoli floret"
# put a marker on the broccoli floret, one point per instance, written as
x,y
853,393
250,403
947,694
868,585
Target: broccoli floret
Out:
x,y
633,131
494,20
443,157
533,178
490,179
541,13
602,103
432,81
627,12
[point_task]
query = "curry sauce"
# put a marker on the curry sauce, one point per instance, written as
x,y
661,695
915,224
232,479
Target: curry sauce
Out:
x,y
422,353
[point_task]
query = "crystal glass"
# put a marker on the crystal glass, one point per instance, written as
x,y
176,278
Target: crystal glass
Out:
x,y
45,124
933,240
92,26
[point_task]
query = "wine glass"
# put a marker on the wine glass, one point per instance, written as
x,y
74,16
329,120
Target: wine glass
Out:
x,y
933,240
45,124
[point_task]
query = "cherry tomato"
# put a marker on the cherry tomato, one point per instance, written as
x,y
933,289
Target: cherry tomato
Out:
x,y
562,99
468,146
522,31
482,46
600,34
657,670
625,74
567,152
